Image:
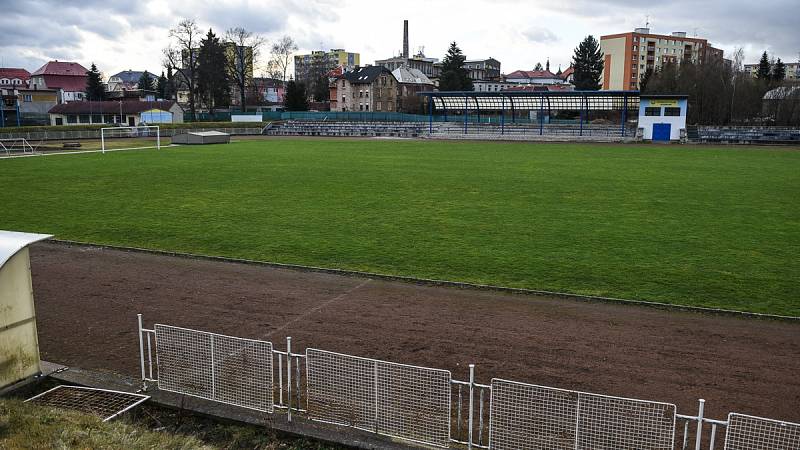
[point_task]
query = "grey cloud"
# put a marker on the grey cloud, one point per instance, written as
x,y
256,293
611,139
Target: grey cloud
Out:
x,y
770,24
539,35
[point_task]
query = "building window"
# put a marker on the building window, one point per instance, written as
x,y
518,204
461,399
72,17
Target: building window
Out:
x,y
378,106
27,98
366,107
361,94
635,48
72,118
672,111
651,111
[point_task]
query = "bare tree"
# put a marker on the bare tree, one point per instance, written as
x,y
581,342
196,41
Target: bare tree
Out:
x,y
181,56
281,56
244,48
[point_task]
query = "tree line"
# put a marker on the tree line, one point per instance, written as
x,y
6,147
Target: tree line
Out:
x,y
209,68
723,93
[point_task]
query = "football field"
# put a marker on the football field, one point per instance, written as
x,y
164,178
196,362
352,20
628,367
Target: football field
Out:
x,y
691,225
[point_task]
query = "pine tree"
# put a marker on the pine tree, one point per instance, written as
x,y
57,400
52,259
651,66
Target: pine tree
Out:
x,y
538,67
145,82
169,92
94,85
213,83
453,76
295,98
588,65
161,86
645,79
779,71
764,68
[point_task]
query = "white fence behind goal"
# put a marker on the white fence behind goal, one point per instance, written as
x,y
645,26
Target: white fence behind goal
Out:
x,y
398,400
143,136
526,416
216,367
756,433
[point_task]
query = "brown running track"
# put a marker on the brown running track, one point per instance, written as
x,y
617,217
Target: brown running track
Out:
x,y
87,299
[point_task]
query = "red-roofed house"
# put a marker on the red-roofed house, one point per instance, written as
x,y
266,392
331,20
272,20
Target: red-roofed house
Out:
x,y
568,75
15,78
533,77
68,77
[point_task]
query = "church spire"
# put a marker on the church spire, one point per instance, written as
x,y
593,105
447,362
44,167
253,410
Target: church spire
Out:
x,y
547,67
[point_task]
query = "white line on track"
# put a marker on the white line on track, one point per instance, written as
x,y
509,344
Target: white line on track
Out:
x,y
317,308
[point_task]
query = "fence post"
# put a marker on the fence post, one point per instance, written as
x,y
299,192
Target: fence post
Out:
x,y
289,376
471,406
377,405
141,352
213,380
699,437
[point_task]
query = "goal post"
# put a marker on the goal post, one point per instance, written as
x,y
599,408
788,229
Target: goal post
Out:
x,y
129,138
9,146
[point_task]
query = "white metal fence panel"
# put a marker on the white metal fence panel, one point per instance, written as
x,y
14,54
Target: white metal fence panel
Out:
x,y
525,416
216,367
398,400
611,423
757,433
184,361
341,389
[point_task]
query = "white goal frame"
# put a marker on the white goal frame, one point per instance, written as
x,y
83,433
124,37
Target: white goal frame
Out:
x,y
134,133
8,144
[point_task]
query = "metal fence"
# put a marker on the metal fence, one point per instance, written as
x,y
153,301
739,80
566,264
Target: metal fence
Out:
x,y
531,416
417,404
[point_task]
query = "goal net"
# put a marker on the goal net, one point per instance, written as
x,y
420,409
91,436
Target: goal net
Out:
x,y
16,146
130,138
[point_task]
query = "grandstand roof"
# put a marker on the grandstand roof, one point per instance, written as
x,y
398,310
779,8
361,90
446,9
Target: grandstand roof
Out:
x,y
533,100
111,107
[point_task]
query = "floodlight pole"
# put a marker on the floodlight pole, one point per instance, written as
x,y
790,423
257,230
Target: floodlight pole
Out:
x,y
430,115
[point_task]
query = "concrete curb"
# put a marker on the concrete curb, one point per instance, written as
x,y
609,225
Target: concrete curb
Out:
x,y
442,283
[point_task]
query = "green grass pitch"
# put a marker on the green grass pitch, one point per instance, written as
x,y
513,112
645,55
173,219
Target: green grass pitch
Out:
x,y
691,225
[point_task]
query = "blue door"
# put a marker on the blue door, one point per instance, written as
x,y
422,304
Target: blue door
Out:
x,y
661,131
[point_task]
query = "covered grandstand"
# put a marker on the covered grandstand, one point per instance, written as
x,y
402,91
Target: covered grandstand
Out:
x,y
574,113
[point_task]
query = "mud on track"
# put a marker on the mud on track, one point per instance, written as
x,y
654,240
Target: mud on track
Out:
x,y
87,299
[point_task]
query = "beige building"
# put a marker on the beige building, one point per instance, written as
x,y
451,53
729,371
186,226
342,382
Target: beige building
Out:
x,y
792,70
371,88
628,56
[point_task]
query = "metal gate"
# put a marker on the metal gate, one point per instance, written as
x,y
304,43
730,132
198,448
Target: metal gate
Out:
x,y
526,416
216,367
757,433
399,400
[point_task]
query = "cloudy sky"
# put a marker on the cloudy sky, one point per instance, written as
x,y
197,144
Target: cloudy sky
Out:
x,y
119,35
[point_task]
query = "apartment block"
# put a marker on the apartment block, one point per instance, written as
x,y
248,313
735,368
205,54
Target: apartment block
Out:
x,y
628,56
792,70
319,62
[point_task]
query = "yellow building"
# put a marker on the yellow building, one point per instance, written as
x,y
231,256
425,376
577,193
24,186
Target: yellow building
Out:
x,y
628,56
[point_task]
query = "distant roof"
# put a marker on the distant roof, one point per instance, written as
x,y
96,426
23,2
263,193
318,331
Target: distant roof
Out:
x,y
365,74
109,107
411,76
10,72
531,74
62,68
541,88
129,76
567,72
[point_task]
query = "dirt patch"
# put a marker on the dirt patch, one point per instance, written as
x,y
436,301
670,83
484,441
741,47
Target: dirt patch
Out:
x,y
87,299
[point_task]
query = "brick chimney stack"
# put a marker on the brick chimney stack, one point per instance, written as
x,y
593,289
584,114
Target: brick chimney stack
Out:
x,y
405,39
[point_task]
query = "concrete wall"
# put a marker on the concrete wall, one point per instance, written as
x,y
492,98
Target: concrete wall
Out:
x,y
19,345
